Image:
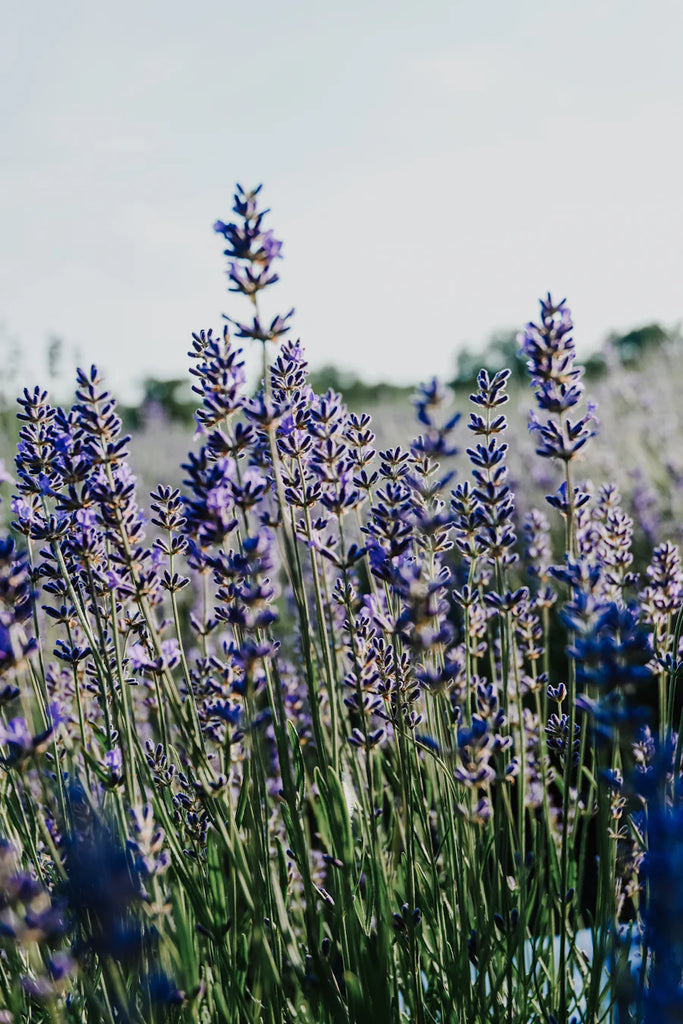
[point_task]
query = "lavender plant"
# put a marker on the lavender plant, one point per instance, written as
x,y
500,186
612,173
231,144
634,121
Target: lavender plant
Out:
x,y
332,733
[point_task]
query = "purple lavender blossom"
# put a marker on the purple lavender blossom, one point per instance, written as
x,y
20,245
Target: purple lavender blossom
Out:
x,y
22,742
494,502
550,349
251,252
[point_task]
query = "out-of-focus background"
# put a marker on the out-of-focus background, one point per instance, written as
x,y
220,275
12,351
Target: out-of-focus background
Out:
x,y
431,171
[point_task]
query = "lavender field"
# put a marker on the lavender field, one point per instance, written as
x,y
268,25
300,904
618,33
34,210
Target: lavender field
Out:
x,y
324,716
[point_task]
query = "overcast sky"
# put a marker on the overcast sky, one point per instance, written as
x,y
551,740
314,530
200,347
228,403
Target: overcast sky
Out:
x,y
432,169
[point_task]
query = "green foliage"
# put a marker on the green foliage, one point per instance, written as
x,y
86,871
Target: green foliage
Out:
x,y
354,391
501,352
636,344
160,395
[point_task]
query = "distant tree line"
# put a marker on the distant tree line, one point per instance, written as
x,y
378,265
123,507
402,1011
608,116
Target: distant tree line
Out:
x,y
502,350
172,399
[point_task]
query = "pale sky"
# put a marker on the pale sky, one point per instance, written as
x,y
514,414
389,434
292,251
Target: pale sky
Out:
x,y
432,169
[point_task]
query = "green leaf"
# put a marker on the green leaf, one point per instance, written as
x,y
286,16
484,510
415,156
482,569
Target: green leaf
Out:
x,y
216,874
289,825
244,794
185,939
299,766
283,873
334,806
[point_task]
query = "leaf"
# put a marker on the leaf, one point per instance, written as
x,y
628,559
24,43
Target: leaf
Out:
x,y
216,876
282,866
244,794
335,809
299,766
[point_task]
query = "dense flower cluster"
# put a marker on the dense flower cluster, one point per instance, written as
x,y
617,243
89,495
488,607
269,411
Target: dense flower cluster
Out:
x,y
331,732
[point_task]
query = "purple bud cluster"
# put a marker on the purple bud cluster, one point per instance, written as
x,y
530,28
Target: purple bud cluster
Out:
x,y
494,501
16,601
550,350
251,252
